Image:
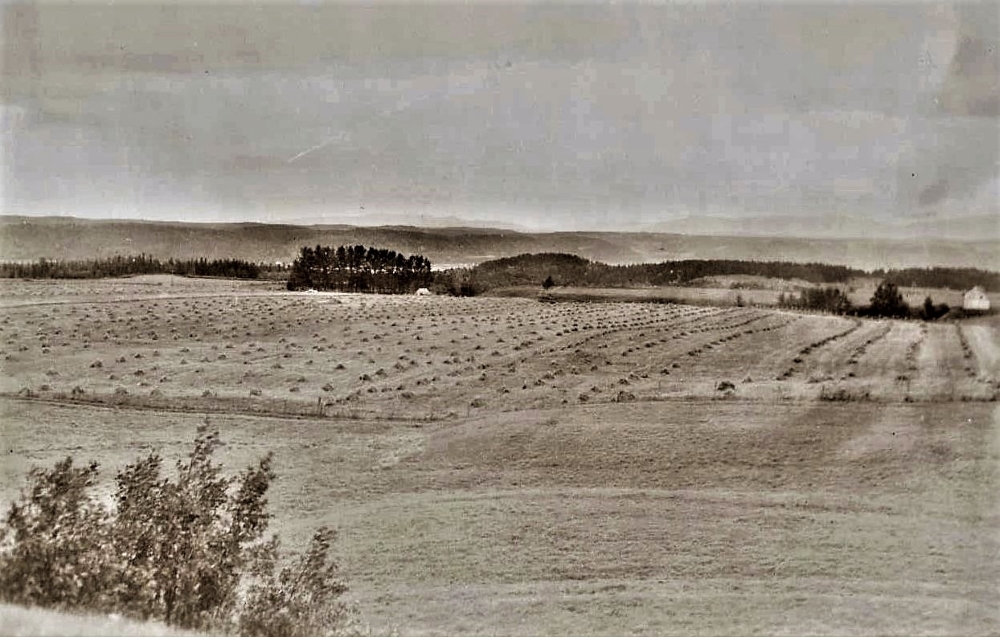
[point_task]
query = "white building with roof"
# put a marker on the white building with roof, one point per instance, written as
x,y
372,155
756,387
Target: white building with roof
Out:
x,y
976,300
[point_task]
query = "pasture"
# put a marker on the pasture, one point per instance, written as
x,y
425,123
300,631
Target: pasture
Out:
x,y
504,466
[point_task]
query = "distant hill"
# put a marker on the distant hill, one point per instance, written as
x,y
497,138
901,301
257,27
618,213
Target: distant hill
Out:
x,y
30,238
573,271
970,227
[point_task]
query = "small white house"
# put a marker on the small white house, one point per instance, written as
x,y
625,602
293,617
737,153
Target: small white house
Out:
x,y
423,292
976,299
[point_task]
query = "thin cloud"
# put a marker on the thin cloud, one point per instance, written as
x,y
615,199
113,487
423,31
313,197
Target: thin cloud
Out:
x,y
311,149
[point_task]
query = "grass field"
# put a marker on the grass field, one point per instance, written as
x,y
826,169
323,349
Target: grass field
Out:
x,y
504,466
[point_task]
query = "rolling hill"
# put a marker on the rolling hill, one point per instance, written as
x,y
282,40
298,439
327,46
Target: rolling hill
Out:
x,y
30,238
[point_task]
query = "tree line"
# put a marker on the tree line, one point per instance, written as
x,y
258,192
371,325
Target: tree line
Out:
x,y
886,302
950,278
120,266
571,270
359,269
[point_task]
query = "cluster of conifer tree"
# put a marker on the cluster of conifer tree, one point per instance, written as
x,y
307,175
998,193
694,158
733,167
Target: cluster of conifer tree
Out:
x,y
359,269
119,266
229,268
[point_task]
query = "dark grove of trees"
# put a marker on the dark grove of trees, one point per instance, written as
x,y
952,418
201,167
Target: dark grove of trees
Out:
x,y
571,270
568,269
950,278
359,269
528,270
681,272
120,266
888,302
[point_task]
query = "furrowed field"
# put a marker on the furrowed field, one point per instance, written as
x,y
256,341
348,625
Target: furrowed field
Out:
x,y
506,466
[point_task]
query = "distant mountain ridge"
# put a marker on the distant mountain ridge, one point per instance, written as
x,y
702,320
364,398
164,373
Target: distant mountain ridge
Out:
x,y
971,227
31,238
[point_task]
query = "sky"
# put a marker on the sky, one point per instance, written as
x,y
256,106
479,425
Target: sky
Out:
x,y
844,116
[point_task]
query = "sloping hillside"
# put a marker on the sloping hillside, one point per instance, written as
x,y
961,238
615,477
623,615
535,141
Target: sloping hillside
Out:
x,y
571,270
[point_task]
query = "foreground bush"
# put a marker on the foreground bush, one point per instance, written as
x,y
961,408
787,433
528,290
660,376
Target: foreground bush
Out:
x,y
188,550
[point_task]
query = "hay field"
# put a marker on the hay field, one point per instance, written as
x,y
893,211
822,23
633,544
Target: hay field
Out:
x,y
504,466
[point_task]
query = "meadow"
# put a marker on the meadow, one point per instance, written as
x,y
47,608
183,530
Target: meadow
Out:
x,y
511,467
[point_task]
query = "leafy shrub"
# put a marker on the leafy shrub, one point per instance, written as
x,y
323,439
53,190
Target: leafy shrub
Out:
x,y
178,550
53,539
302,600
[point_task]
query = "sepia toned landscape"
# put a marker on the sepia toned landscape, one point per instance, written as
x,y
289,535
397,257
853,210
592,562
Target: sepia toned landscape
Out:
x,y
503,465
366,319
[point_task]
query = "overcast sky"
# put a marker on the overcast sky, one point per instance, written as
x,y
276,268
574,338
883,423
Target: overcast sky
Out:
x,y
544,116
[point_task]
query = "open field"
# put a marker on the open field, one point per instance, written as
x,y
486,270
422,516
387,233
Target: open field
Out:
x,y
504,466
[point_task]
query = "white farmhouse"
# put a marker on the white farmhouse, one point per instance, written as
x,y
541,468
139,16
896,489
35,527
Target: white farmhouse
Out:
x,y
976,299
